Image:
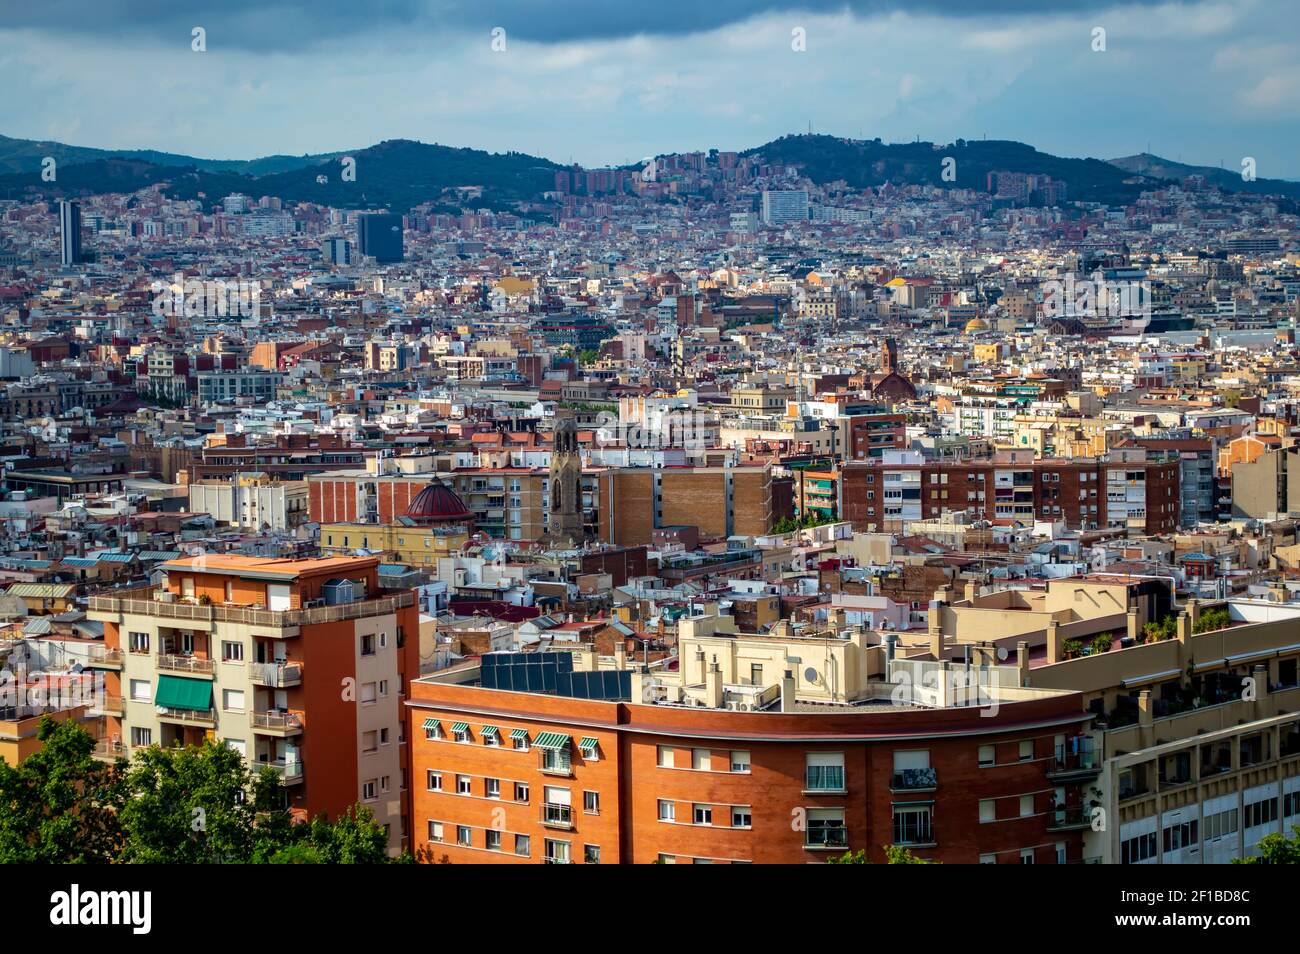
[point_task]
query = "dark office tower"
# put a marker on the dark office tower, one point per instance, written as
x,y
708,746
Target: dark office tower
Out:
x,y
380,236
70,232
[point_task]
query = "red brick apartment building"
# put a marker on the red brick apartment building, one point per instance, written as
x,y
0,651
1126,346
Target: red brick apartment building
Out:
x,y
1084,493
514,777
300,665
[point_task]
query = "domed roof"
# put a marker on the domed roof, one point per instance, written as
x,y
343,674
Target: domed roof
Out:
x,y
438,503
976,324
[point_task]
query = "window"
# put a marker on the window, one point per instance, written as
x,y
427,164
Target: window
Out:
x,y
385,783
988,811
521,791
700,759
739,760
825,772
591,803
464,836
368,644
1137,849
383,688
464,785
703,815
368,791
492,840
383,736
433,781
519,738
912,825
1026,805
826,828
367,694
435,831
460,732
141,690
523,845
1027,750
139,642
667,810
232,651
988,859
741,817
433,731
557,852
988,755
369,741
232,700
492,787
141,736
664,754
590,749
1027,856
591,854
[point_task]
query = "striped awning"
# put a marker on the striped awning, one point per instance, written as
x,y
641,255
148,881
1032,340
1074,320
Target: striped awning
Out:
x,y
431,724
589,743
488,730
552,740
460,727
518,733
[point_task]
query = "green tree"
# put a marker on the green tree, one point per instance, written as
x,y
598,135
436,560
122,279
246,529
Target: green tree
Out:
x,y
894,855
56,806
1275,850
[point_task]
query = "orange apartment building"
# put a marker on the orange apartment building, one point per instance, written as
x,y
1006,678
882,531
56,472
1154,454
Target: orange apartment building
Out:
x,y
525,777
301,665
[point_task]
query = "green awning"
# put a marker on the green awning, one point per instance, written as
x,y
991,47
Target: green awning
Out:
x,y
460,727
589,743
431,724
488,730
518,733
177,692
552,740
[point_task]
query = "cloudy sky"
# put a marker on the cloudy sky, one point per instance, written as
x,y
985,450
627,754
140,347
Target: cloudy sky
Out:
x,y
594,81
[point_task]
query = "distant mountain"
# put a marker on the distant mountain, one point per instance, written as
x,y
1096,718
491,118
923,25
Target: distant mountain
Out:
x,y
26,155
401,173
863,163
1229,180
396,175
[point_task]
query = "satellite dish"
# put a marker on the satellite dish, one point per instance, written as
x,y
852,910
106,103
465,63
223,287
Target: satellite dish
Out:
x,y
811,674
1002,652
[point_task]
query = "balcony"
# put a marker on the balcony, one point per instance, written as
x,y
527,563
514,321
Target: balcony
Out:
x,y
106,705
1073,766
290,771
103,657
557,816
276,675
1069,819
203,717
110,750
914,780
279,724
186,664
147,601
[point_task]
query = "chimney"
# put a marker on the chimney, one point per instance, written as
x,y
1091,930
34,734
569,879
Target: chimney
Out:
x,y
714,685
1184,626
972,590
1022,662
701,667
1055,644
620,654
787,691
1146,712
1193,613
1133,625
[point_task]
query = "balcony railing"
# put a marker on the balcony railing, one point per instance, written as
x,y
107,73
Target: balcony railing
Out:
x,y
276,675
278,721
180,662
97,656
557,816
188,716
288,770
831,837
144,601
1066,764
110,750
1067,819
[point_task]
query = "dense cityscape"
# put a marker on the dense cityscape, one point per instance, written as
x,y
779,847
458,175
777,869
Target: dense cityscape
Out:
x,y
819,501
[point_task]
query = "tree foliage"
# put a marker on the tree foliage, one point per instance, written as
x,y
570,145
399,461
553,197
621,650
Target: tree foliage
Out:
x,y
191,805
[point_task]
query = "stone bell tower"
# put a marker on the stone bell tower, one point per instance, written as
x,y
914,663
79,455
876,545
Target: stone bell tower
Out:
x,y
564,505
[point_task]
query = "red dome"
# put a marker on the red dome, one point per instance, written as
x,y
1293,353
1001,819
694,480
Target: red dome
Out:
x,y
438,503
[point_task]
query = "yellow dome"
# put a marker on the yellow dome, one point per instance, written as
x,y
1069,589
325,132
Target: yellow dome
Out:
x,y
976,324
